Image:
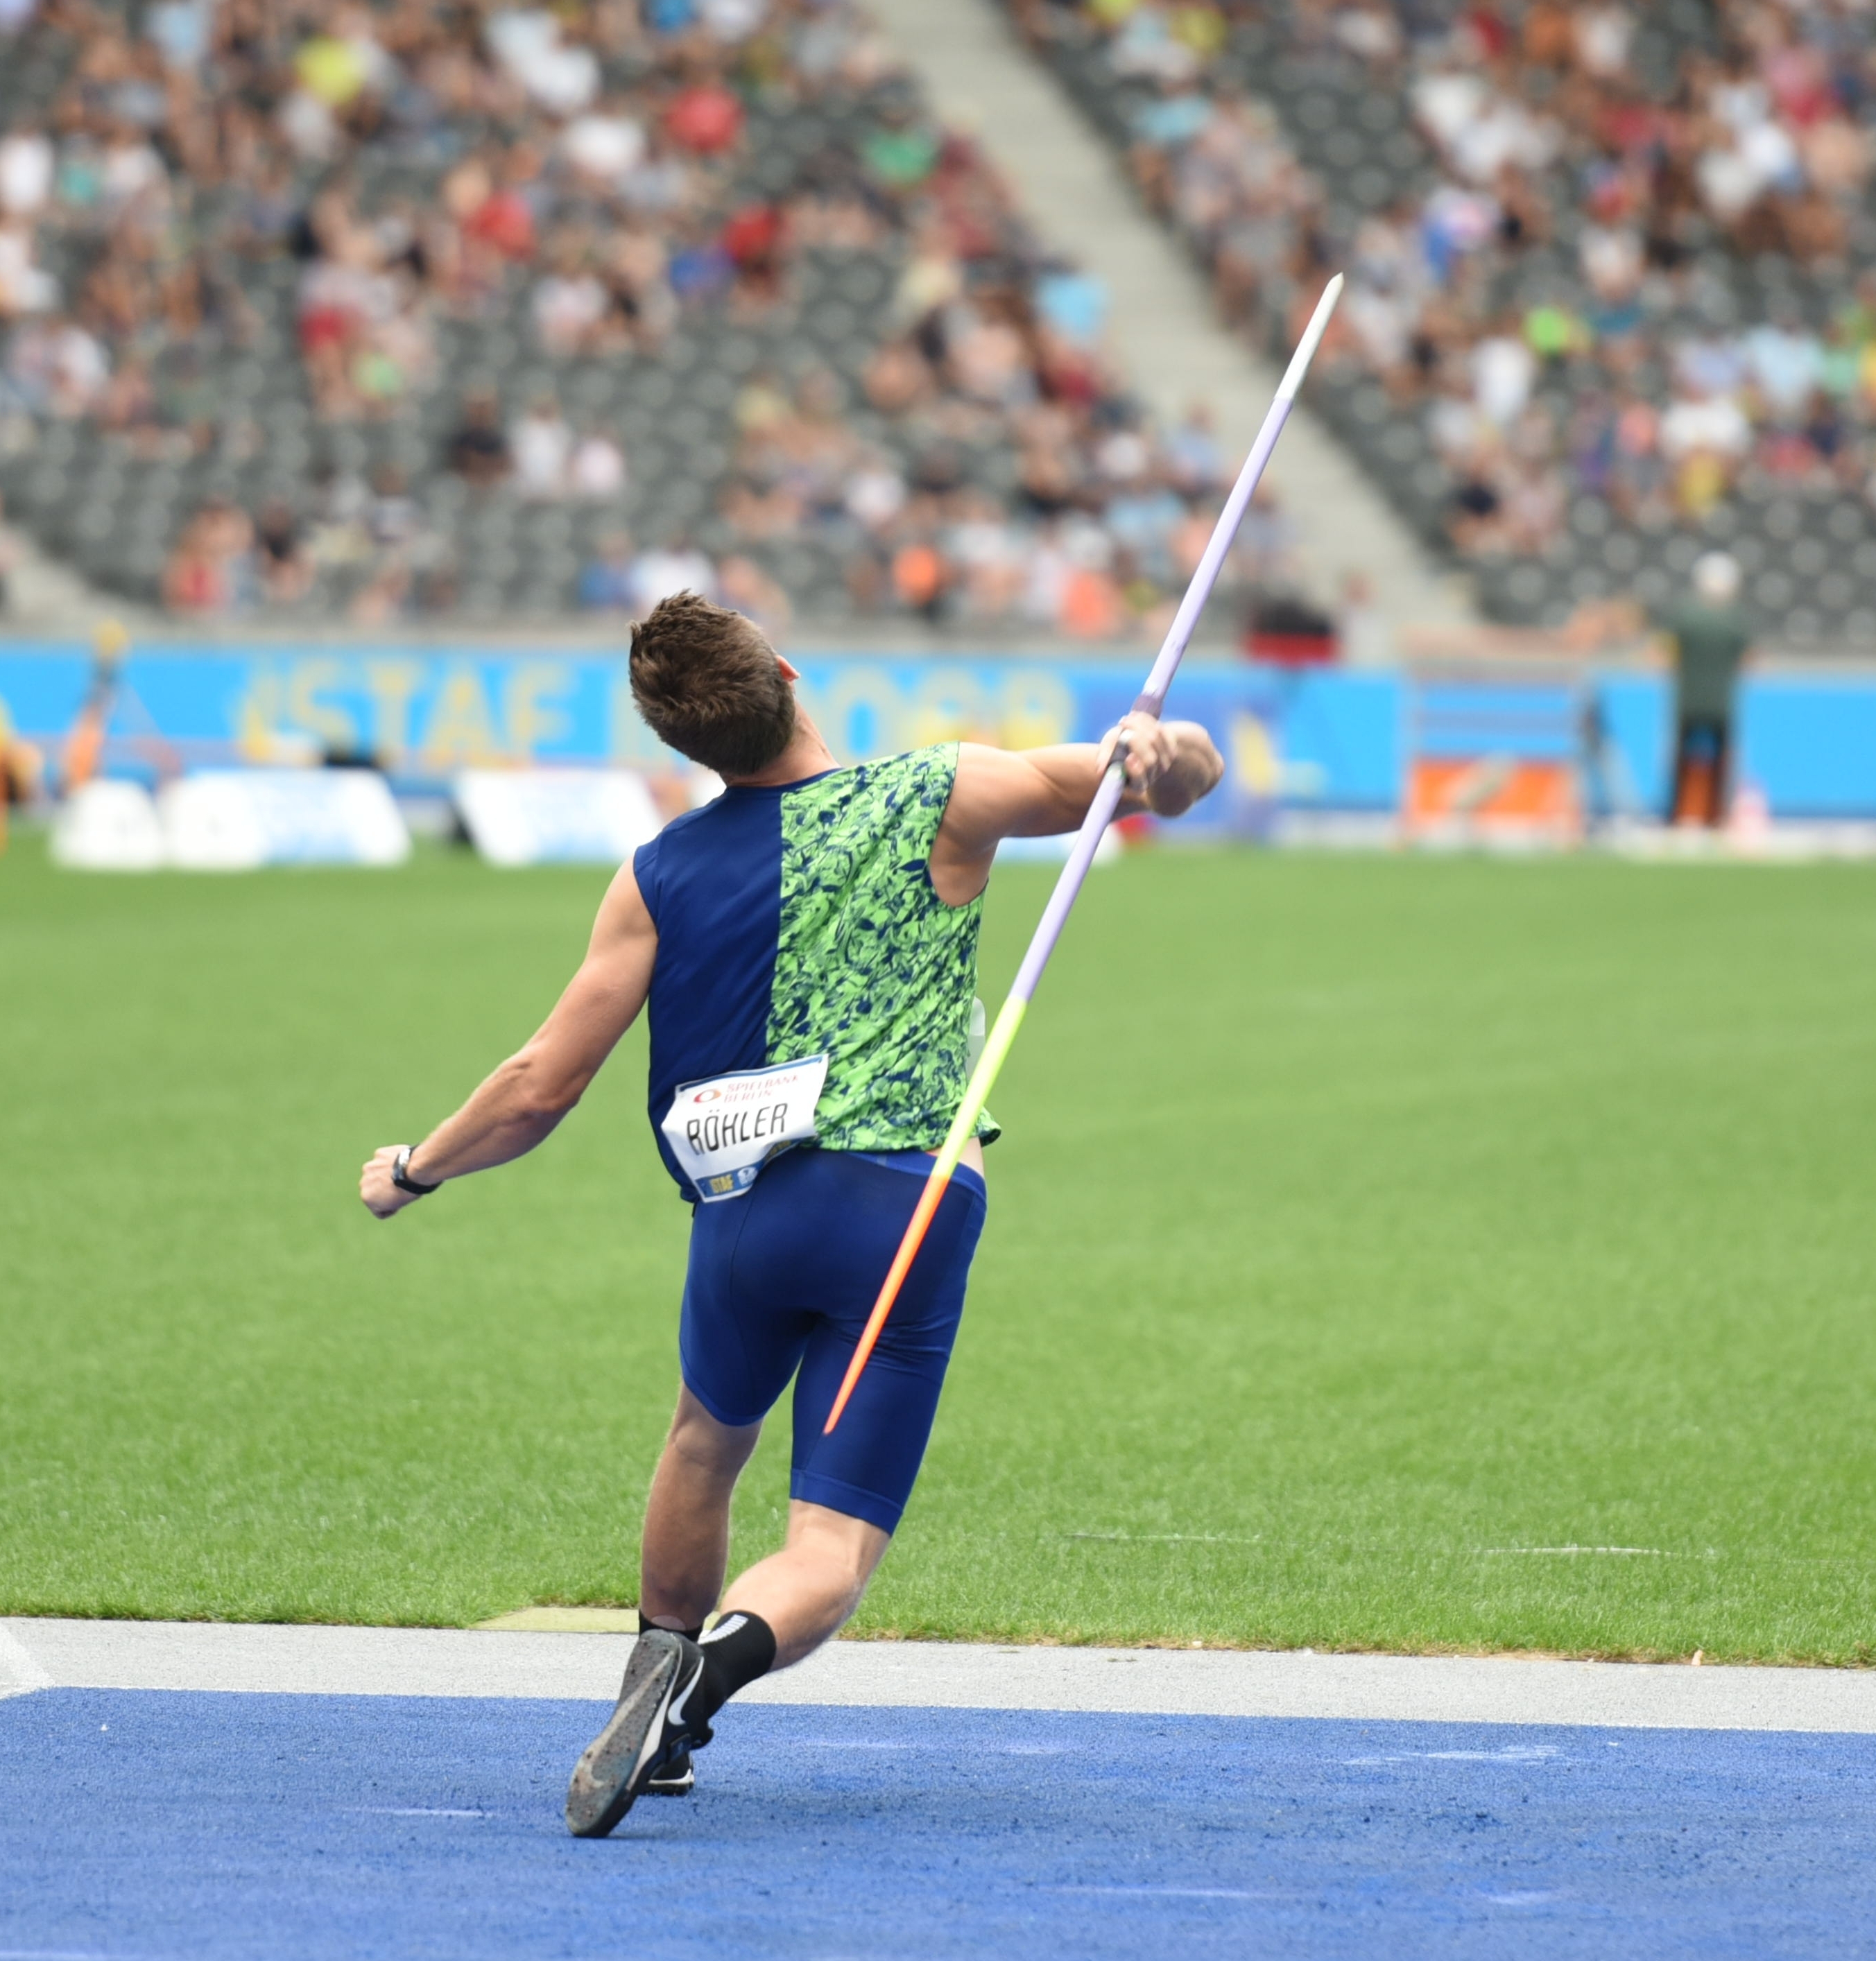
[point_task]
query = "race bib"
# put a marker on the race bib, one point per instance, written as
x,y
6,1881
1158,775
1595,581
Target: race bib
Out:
x,y
722,1132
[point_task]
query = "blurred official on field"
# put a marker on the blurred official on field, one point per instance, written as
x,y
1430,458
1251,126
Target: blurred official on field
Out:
x,y
1710,638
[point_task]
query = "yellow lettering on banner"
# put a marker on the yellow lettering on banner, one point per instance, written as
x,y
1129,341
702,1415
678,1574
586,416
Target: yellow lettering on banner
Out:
x,y
535,717
864,714
393,685
462,729
1254,758
1034,707
949,706
332,725
258,715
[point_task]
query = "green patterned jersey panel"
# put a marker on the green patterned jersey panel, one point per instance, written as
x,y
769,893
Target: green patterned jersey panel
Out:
x,y
872,966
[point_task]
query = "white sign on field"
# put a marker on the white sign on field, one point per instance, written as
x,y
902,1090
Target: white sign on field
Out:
x,y
108,826
556,817
236,820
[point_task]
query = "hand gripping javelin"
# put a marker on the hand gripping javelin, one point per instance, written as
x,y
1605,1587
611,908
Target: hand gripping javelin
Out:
x,y
1055,914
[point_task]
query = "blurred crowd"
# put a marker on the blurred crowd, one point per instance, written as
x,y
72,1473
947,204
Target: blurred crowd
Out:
x,y
1544,136
408,166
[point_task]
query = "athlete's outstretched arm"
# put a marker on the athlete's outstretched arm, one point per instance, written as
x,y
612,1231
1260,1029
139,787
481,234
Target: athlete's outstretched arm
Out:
x,y
520,1104
1002,793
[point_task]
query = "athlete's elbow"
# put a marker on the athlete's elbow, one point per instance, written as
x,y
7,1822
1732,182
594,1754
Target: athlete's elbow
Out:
x,y
540,1091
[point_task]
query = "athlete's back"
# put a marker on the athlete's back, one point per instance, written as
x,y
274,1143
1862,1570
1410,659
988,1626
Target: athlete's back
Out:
x,y
798,920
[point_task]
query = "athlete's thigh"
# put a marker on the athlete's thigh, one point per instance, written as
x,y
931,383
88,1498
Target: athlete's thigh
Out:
x,y
867,1467
743,1328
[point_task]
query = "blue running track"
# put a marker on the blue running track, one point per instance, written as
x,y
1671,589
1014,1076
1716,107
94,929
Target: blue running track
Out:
x,y
141,1826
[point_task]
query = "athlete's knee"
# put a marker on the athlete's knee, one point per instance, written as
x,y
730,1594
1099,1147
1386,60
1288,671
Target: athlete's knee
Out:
x,y
702,1444
848,1548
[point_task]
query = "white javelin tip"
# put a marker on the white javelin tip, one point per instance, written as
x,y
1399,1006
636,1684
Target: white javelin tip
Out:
x,y
1312,337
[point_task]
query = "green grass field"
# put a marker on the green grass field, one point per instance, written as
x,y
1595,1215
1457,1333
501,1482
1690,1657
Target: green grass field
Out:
x,y
1362,1224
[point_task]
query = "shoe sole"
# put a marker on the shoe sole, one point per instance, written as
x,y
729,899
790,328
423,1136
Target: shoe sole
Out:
x,y
618,1762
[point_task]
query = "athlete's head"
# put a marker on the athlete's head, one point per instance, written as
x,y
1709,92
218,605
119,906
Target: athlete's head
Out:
x,y
708,683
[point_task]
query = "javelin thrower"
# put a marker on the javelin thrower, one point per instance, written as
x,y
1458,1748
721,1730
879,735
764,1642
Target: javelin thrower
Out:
x,y
806,947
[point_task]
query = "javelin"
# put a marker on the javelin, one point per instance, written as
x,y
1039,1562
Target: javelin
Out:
x,y
1151,699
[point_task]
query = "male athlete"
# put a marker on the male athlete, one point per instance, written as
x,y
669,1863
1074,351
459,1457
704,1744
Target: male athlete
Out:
x,y
807,944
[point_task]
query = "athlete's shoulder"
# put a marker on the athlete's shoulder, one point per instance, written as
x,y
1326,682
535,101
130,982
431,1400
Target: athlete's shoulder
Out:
x,y
703,814
674,852
878,770
933,765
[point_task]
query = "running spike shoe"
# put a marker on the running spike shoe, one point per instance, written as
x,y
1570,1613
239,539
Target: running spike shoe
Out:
x,y
648,1730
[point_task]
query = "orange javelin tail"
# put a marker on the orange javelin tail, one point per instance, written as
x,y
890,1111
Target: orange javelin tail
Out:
x,y
896,1278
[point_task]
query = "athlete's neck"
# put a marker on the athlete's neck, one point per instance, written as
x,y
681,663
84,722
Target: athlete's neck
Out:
x,y
806,755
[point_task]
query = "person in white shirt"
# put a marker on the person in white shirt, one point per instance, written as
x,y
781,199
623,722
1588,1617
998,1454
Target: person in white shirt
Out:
x,y
542,444
26,171
597,470
665,571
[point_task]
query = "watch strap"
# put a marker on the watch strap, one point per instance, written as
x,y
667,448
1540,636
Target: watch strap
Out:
x,y
400,1175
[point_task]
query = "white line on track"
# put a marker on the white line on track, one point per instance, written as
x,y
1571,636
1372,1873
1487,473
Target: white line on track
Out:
x,y
436,1661
416,1811
1173,1893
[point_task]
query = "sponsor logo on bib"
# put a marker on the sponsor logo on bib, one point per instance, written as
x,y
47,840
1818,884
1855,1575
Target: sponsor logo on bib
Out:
x,y
724,1130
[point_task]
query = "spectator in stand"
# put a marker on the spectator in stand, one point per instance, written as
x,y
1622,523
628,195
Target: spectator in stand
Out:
x,y
541,446
285,571
1710,639
210,570
605,582
570,305
478,451
677,566
27,165
744,585
597,470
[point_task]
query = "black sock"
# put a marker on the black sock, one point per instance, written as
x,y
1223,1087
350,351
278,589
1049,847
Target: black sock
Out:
x,y
736,1651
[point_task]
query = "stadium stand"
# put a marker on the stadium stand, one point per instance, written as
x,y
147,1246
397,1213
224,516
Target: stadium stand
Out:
x,y
1598,258
341,312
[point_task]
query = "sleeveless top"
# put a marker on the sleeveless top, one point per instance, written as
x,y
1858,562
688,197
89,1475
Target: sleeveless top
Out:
x,y
801,920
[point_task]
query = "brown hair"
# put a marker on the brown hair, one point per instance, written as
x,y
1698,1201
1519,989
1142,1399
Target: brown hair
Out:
x,y
707,683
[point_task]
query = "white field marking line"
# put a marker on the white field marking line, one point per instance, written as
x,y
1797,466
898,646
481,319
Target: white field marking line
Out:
x,y
844,1743
1173,1892
1483,1551
1168,1538
1576,1551
20,1674
416,1811
1513,1753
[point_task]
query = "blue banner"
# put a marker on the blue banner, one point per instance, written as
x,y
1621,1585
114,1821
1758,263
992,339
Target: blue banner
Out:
x,y
1310,738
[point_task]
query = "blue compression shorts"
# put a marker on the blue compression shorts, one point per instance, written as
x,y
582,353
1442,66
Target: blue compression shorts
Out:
x,y
785,1277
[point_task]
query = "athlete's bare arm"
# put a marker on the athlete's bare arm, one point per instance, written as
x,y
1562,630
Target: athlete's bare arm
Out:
x,y
1002,793
520,1104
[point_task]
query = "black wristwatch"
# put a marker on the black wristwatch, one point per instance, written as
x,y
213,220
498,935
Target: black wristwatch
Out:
x,y
400,1175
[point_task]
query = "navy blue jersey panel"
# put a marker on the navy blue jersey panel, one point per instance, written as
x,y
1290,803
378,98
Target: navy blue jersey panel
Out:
x,y
711,881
